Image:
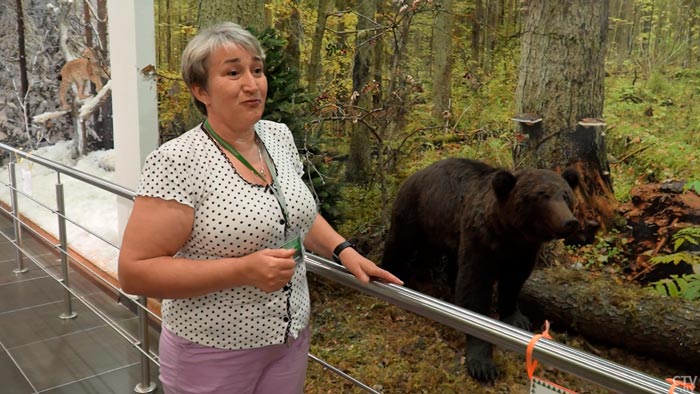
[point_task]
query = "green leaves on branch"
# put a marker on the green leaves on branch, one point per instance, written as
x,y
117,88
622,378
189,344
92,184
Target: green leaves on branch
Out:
x,y
685,286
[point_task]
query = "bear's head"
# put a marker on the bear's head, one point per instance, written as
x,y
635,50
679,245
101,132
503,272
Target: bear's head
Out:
x,y
537,203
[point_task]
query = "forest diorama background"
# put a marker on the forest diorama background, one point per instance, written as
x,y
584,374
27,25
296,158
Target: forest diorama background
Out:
x,y
652,135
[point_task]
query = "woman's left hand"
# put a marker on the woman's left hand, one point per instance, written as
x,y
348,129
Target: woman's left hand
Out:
x,y
364,269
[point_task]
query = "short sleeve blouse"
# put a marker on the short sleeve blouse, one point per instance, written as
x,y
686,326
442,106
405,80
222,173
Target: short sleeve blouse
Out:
x,y
233,218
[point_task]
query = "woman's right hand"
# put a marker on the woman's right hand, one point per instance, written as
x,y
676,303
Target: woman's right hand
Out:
x,y
270,269
158,228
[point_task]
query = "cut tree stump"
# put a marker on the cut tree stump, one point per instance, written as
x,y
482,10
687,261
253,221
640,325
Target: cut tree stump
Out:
x,y
617,314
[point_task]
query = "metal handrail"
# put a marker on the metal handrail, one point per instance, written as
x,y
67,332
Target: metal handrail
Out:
x,y
589,367
592,368
111,187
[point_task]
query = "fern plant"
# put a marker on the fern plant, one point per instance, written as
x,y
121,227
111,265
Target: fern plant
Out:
x,y
684,286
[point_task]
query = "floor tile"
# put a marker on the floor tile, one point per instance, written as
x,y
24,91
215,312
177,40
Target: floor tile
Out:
x,y
7,274
11,377
27,293
62,360
38,323
120,381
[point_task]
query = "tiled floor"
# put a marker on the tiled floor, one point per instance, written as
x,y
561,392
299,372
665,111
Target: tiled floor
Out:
x,y
42,353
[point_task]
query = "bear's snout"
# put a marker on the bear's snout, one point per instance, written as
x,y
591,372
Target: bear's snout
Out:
x,y
569,226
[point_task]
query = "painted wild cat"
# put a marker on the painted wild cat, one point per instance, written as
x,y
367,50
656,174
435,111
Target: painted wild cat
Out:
x,y
78,71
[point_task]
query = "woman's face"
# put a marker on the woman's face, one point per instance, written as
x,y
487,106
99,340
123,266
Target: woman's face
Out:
x,y
236,88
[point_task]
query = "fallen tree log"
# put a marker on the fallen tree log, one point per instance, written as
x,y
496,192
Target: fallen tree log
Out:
x,y
616,314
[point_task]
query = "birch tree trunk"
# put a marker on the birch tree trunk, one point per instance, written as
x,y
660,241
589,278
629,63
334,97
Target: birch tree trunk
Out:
x,y
561,81
104,123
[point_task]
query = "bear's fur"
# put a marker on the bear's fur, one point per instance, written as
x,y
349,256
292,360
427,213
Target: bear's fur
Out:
x,y
477,225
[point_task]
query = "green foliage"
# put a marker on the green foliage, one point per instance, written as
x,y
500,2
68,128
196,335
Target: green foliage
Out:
x,y
676,258
685,286
692,185
690,235
606,252
285,102
175,109
652,130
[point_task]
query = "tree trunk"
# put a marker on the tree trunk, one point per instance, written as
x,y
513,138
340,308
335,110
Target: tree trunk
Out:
x,y
619,315
692,35
102,26
247,13
477,20
490,34
442,62
313,72
561,81
359,160
87,24
292,29
169,56
24,80
104,123
22,54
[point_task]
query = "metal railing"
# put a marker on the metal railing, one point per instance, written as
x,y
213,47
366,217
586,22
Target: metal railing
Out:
x,y
597,370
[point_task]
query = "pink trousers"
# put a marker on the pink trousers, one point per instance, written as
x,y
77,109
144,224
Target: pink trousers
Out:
x,y
190,368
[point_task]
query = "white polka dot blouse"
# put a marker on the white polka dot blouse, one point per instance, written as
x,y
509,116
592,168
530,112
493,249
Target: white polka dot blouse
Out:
x,y
233,218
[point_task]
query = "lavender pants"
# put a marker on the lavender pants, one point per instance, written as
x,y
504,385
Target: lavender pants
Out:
x,y
190,368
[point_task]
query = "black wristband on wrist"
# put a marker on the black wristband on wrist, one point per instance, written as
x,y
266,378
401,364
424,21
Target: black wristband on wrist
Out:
x,y
341,246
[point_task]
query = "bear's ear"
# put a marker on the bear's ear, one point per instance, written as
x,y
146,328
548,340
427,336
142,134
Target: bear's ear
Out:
x,y
503,182
571,176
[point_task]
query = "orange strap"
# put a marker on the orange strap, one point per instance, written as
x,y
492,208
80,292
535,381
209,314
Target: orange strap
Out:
x,y
530,363
675,383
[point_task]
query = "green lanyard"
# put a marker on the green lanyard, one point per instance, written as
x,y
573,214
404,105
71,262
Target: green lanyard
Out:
x,y
275,187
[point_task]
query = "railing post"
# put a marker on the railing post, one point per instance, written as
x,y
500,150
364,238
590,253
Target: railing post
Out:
x,y
15,219
63,248
146,386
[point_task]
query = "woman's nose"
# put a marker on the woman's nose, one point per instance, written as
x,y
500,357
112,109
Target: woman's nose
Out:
x,y
249,81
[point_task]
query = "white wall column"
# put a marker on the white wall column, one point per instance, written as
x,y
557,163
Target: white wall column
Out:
x,y
134,96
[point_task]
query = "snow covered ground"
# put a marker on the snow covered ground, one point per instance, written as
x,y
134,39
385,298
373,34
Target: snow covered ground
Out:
x,y
89,206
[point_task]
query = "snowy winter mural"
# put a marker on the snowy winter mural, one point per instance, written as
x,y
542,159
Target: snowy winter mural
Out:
x,y
59,88
55,102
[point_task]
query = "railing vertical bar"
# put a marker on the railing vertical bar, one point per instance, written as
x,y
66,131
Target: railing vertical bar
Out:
x,y
344,375
63,241
15,219
146,386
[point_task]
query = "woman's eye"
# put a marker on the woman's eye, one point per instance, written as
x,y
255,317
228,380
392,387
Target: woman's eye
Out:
x,y
233,73
258,70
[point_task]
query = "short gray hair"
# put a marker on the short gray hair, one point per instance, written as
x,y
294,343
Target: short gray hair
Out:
x,y
207,41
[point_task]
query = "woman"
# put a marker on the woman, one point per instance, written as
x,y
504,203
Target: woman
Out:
x,y
216,231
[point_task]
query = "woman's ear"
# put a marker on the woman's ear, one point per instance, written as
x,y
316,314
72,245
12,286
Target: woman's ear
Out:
x,y
200,94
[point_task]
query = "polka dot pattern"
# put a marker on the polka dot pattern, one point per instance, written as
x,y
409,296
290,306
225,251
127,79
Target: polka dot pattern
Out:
x,y
233,218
